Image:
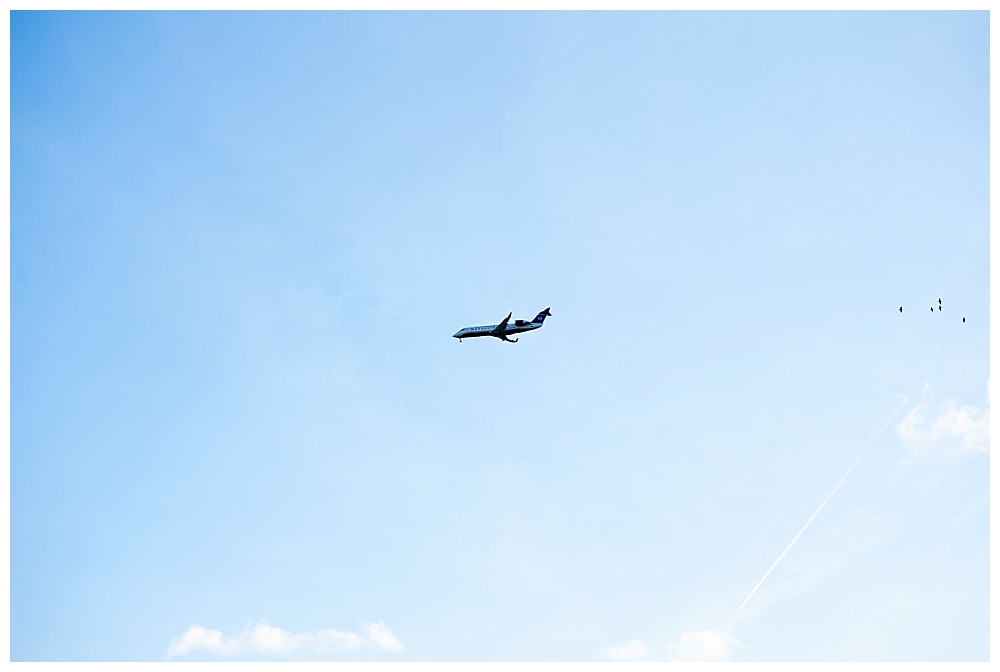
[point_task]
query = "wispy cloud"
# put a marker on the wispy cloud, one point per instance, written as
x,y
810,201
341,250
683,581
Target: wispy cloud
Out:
x,y
951,429
634,650
704,646
264,639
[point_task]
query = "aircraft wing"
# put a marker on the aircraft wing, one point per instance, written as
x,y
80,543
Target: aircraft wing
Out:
x,y
502,327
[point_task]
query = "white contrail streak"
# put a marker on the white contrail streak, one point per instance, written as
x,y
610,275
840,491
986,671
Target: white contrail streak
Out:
x,y
899,405
871,442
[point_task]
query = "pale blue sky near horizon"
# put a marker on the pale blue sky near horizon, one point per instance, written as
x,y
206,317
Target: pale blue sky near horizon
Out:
x,y
240,243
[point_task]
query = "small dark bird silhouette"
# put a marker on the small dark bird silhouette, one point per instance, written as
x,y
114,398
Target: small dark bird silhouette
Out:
x,y
932,309
939,302
963,319
900,309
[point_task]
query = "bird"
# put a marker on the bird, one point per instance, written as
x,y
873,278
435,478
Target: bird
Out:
x,y
963,319
932,309
900,309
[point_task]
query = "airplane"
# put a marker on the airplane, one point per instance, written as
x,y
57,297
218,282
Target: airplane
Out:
x,y
501,330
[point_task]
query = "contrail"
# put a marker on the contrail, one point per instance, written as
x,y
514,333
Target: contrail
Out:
x,y
871,442
872,438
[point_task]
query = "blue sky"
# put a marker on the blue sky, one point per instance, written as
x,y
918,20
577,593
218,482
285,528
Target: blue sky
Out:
x,y
240,428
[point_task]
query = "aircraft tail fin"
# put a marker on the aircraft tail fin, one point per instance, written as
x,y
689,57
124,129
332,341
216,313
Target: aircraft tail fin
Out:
x,y
541,316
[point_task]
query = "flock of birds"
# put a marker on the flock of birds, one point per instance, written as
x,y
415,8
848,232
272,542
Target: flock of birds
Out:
x,y
940,307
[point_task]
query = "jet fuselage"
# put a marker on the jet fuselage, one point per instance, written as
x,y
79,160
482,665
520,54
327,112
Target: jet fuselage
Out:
x,y
516,328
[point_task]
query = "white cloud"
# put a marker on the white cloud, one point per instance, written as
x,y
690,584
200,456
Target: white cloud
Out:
x,y
704,646
197,637
634,650
953,428
269,640
381,636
